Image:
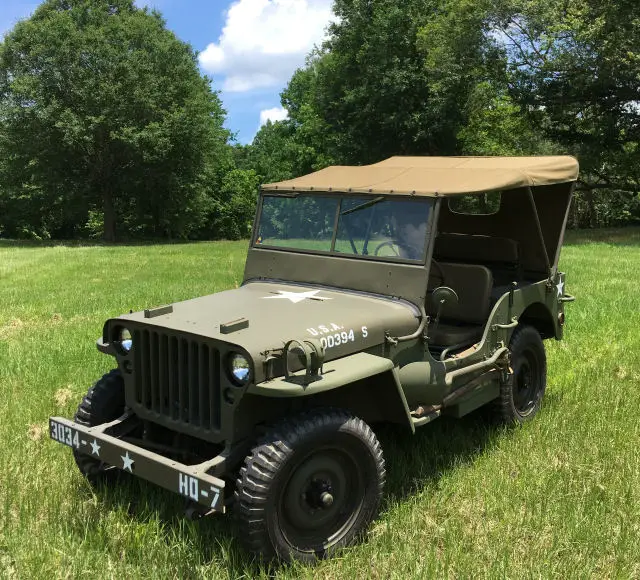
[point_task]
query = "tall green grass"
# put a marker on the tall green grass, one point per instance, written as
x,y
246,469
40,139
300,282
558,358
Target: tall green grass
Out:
x,y
557,498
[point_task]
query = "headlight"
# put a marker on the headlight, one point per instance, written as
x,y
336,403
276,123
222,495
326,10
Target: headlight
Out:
x,y
240,369
124,340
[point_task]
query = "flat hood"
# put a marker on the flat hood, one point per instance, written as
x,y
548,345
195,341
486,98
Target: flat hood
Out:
x,y
262,316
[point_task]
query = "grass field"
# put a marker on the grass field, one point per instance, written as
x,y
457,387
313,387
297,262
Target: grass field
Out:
x,y
557,498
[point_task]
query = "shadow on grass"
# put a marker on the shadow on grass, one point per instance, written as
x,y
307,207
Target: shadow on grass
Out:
x,y
411,460
627,236
213,538
415,460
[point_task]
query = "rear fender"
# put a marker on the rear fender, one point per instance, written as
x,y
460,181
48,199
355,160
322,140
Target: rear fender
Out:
x,y
541,318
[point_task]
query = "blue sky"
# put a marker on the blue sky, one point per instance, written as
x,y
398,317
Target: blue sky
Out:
x,y
249,47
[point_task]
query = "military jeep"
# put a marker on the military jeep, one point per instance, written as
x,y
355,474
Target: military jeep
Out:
x,y
396,292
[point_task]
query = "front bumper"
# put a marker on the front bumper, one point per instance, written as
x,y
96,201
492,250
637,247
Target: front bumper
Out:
x,y
190,481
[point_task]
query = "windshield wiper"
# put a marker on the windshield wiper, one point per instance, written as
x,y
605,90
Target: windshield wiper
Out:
x,y
364,205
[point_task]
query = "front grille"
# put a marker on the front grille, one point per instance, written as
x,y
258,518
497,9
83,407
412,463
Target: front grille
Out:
x,y
177,378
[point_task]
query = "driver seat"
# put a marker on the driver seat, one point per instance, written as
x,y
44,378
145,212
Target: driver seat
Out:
x,y
462,323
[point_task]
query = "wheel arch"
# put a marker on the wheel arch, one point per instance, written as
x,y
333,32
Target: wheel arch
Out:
x,y
375,399
539,317
364,384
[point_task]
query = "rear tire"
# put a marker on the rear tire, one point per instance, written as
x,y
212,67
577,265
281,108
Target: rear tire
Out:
x,y
312,485
103,403
521,394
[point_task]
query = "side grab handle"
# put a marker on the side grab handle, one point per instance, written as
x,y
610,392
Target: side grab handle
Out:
x,y
512,324
567,298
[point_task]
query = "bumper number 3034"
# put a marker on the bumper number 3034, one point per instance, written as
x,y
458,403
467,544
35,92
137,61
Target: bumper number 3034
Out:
x,y
65,435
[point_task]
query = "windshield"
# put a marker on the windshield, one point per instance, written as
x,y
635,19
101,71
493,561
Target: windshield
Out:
x,y
366,226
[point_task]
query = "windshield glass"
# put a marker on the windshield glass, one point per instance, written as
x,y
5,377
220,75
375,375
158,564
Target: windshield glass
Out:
x,y
373,227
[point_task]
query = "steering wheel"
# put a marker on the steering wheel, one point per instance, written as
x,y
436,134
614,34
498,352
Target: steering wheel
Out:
x,y
383,244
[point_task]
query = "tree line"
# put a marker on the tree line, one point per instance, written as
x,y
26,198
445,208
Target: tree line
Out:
x,y
107,127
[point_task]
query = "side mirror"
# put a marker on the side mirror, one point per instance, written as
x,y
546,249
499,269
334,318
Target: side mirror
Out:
x,y
443,295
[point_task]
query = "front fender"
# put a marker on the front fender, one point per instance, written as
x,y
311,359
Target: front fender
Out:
x,y
363,383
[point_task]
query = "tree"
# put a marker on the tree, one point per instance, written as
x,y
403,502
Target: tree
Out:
x,y
232,207
379,86
272,152
103,111
496,125
548,78
372,88
285,149
574,68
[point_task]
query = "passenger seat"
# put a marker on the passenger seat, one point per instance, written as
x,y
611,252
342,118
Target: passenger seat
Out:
x,y
462,323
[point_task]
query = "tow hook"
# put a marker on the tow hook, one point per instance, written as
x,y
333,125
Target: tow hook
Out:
x,y
194,511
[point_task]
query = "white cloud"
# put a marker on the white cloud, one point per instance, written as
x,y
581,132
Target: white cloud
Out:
x,y
274,114
264,41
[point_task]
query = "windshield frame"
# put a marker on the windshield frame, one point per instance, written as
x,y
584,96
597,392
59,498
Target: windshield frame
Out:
x,y
368,200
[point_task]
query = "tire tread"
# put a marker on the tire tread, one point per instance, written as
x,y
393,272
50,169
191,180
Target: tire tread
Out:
x,y
103,402
503,407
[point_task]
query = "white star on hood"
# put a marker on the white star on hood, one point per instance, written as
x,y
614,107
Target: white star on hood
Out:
x,y
560,287
296,297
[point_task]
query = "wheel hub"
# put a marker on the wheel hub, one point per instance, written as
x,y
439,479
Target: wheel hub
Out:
x,y
322,497
327,499
319,494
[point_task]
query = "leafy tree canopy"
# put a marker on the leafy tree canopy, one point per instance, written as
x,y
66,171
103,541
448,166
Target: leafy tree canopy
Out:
x,y
103,110
368,91
574,69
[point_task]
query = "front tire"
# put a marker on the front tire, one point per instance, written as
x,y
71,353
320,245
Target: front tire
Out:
x,y
103,403
521,394
312,485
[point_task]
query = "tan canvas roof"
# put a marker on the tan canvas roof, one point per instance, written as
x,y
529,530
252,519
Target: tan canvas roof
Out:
x,y
434,176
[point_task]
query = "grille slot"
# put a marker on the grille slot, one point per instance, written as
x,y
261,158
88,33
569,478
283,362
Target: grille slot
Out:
x,y
177,378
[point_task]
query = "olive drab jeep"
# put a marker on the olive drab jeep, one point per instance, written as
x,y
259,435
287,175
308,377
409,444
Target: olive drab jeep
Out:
x,y
396,292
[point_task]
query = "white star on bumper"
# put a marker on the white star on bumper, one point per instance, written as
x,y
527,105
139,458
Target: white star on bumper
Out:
x,y
127,462
95,448
296,297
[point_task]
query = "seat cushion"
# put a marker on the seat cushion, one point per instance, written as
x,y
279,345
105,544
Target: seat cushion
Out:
x,y
472,283
450,334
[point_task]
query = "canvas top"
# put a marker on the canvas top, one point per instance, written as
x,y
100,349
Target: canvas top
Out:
x,y
436,176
